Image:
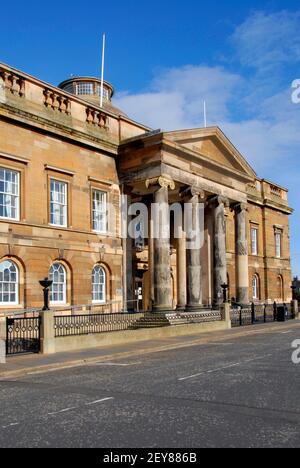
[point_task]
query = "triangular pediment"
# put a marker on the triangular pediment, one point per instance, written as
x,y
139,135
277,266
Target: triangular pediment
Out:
x,y
212,144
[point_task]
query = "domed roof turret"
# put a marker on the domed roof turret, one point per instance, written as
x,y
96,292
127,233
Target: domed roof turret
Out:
x,y
89,89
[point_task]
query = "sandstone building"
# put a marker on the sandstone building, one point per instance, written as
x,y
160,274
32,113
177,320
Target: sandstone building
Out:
x,y
64,160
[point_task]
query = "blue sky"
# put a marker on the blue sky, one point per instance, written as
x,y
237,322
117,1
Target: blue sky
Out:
x,y
165,57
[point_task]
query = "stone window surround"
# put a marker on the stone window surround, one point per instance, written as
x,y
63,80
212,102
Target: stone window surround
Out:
x,y
53,173
17,164
101,186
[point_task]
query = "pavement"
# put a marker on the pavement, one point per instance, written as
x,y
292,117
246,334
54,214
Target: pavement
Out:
x,y
236,388
28,363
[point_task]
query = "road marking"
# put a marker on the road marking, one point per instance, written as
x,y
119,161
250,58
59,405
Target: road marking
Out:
x,y
10,425
114,364
221,344
211,371
61,411
99,401
286,332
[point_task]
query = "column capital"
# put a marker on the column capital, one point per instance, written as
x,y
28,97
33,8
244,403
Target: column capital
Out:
x,y
219,200
190,192
163,181
240,207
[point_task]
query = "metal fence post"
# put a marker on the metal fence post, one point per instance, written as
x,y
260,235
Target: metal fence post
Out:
x,y
275,311
241,317
253,313
265,313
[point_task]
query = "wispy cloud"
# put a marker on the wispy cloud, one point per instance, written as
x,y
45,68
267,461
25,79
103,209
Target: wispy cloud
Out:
x,y
268,40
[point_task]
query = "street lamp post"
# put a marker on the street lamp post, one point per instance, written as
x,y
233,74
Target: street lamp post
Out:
x,y
46,284
225,288
294,288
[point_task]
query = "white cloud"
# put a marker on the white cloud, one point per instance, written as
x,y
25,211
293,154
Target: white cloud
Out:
x,y
175,98
266,40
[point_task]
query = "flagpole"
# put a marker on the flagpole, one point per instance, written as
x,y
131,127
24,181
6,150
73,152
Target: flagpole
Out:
x,y
205,118
102,71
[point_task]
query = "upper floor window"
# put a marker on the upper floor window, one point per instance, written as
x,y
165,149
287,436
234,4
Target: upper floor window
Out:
x,y
254,241
9,283
9,194
278,244
99,211
58,291
105,92
58,203
85,88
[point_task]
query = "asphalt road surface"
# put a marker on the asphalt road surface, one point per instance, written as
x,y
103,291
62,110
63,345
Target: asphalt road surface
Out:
x,y
237,392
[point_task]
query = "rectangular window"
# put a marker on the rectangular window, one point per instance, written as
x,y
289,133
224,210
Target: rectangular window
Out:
x,y
58,203
85,88
9,194
254,241
278,239
99,211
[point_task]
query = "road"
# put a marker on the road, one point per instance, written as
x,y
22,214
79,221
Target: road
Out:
x,y
238,392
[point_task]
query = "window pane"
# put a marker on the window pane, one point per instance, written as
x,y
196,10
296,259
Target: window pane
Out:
x,y
9,194
58,203
98,284
99,211
57,274
8,283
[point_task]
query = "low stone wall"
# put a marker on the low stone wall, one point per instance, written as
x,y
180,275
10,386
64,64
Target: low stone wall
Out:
x,y
74,343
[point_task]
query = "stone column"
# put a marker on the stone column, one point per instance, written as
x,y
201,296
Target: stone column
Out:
x,y
193,252
220,262
181,272
242,254
160,214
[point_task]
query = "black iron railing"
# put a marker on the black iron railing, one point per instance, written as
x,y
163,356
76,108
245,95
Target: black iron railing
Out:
x,y
91,324
22,335
261,313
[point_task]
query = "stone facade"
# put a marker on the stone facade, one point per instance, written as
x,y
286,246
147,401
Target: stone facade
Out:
x,y
47,134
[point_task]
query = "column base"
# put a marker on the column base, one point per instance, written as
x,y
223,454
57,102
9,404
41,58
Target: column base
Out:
x,y
194,308
181,308
162,310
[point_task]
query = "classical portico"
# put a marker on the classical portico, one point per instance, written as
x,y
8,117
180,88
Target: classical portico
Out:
x,y
195,168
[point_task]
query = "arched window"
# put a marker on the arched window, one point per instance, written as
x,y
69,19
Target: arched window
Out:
x,y
99,284
280,289
58,291
255,287
9,283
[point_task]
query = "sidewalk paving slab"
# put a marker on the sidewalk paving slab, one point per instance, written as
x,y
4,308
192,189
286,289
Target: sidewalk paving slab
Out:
x,y
23,364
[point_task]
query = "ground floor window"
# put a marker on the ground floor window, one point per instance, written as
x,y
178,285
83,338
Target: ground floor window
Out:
x,y
9,283
255,287
58,291
99,284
